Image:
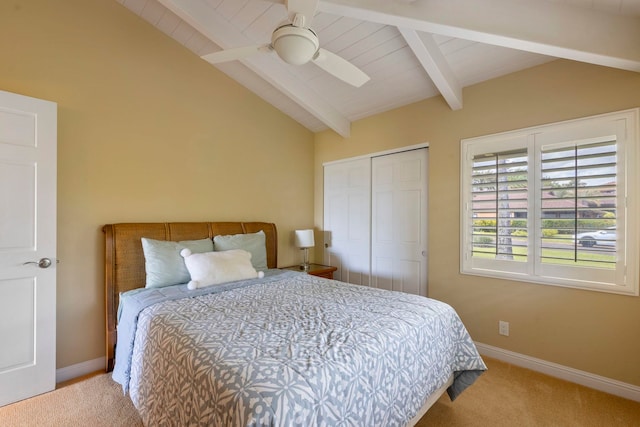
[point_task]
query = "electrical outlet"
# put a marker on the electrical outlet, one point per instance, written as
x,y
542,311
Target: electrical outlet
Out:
x,y
503,328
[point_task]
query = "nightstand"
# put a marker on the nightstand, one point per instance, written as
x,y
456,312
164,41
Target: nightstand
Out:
x,y
319,270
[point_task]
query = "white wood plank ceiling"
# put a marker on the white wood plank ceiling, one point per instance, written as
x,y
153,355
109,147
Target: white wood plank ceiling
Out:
x,y
411,49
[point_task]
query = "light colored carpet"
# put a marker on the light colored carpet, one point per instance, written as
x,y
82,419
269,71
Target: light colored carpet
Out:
x,y
507,396
504,396
96,401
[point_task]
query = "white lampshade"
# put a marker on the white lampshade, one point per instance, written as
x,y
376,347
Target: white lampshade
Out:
x,y
304,239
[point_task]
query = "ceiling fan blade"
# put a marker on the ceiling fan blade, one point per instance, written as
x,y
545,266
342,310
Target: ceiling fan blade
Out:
x,y
236,53
306,8
340,68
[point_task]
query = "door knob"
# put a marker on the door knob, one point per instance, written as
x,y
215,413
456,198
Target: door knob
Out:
x,y
42,263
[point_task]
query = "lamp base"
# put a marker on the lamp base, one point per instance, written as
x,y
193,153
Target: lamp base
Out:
x,y
305,264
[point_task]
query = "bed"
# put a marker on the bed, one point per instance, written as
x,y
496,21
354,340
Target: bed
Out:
x,y
284,349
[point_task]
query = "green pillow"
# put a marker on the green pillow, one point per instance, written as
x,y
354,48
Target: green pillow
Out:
x,y
255,243
163,263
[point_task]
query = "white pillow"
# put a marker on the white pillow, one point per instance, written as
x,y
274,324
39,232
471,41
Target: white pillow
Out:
x,y
215,268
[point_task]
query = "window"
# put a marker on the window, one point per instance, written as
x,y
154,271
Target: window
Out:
x,y
555,204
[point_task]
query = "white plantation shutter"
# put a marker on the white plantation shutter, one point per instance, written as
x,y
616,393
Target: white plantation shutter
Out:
x,y
555,204
579,195
499,205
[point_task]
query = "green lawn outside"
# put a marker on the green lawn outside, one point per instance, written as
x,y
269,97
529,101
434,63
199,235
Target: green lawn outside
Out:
x,y
590,259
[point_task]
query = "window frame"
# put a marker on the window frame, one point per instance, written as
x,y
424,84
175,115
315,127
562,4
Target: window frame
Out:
x,y
623,279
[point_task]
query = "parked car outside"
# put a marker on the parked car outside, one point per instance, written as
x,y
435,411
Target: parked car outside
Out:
x,y
606,237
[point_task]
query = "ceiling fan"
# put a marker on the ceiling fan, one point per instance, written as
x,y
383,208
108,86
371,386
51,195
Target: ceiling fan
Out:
x,y
296,44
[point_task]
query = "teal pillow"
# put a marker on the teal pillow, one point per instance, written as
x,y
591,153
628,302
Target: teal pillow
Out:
x,y
163,263
255,243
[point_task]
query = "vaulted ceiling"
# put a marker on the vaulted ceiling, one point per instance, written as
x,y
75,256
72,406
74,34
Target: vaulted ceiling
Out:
x,y
410,49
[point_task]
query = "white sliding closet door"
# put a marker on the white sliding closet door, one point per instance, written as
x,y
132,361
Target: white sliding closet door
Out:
x,y
347,206
399,222
375,220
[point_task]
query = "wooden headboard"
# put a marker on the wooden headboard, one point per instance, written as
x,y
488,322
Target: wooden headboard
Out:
x,y
124,260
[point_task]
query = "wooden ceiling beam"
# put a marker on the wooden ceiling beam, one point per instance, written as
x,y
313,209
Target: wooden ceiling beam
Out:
x,y
548,28
433,61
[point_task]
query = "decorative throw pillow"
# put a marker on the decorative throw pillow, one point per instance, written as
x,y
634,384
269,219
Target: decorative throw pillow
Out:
x,y
215,268
162,261
255,243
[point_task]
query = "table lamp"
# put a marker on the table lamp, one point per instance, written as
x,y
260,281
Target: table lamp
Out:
x,y
304,240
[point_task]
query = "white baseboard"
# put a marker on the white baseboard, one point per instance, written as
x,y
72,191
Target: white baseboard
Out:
x,y
607,385
79,369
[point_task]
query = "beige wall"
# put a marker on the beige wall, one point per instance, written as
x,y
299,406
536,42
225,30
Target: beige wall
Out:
x,y
590,331
147,131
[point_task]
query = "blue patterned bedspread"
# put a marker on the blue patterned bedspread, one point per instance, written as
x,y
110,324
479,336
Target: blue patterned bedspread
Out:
x,y
288,350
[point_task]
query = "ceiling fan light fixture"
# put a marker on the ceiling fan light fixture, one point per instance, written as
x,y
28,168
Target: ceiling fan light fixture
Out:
x,y
295,45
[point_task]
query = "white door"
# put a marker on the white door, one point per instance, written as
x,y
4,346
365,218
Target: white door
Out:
x,y
347,213
28,140
399,222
